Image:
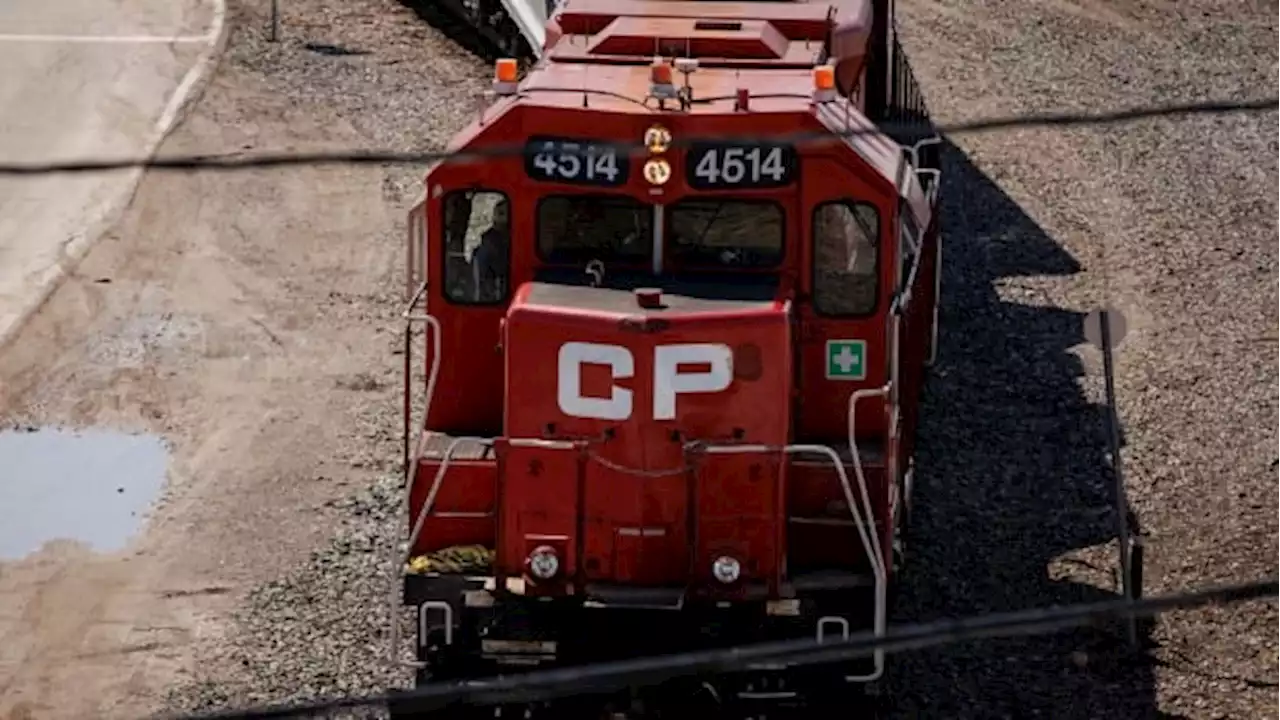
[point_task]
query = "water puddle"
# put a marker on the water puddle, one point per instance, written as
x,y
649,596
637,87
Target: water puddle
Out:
x,y
94,486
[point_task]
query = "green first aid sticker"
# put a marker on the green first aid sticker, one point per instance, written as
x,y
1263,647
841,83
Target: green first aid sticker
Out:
x,y
846,359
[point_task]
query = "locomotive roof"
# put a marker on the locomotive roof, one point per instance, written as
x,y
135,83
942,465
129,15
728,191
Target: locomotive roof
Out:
x,y
622,88
809,20
598,53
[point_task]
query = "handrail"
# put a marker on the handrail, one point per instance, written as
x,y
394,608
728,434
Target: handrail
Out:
x,y
421,517
411,472
854,397
411,478
866,528
434,327
404,556
886,391
869,539
903,297
414,250
904,100
937,300
914,151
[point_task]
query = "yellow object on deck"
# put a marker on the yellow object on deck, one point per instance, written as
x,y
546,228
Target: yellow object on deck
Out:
x,y
457,559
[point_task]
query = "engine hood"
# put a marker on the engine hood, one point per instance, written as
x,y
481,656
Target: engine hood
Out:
x,y
593,362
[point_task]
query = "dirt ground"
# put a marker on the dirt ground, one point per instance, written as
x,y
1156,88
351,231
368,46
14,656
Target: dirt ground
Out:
x,y
263,306
249,318
1173,222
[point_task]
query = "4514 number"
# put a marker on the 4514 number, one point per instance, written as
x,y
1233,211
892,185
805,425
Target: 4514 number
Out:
x,y
741,166
576,162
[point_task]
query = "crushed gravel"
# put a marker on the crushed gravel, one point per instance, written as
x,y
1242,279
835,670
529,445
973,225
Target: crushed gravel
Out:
x,y
321,631
398,80
1173,221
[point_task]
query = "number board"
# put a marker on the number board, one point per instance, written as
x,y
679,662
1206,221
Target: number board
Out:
x,y
738,165
575,162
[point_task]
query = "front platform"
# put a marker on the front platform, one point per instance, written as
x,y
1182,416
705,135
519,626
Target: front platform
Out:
x,y
492,633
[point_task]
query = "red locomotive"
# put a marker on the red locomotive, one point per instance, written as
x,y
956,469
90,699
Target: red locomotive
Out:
x,y
675,346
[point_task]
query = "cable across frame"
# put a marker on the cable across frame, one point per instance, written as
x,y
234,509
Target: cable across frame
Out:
x,y
387,157
542,685
603,678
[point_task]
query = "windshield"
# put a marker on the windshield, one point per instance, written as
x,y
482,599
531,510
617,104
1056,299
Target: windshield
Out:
x,y
726,233
581,228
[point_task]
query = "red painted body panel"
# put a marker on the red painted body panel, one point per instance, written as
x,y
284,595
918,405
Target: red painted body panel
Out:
x,y
631,503
464,508
467,503
540,505
639,524
741,511
819,533
471,359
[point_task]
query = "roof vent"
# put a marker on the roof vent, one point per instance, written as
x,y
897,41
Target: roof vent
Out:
x,y
718,25
637,37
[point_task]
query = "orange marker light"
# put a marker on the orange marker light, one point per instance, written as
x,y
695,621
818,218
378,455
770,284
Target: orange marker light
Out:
x,y
824,77
504,70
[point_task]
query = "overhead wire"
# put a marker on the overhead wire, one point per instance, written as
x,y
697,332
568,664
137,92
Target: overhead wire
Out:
x,y
603,678
542,685
389,157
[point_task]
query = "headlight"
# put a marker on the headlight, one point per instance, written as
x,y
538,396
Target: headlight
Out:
x,y
726,569
543,563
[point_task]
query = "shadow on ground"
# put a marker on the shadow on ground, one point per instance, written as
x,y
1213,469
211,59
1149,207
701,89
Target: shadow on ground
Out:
x,y
1010,475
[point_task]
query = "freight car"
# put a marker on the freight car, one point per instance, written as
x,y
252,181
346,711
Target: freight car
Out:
x,y
674,348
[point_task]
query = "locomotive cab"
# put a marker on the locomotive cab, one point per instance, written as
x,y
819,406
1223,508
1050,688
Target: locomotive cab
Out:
x,y
671,366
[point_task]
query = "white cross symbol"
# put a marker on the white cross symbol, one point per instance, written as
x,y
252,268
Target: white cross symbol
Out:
x,y
845,359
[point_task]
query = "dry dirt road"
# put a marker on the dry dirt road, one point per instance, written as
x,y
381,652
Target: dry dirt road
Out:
x,y
245,318
257,310
81,78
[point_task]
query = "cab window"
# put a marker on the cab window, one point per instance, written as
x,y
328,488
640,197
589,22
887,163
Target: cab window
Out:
x,y
581,228
477,248
725,233
846,242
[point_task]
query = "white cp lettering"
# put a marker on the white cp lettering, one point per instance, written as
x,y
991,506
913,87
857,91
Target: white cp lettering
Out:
x,y
668,380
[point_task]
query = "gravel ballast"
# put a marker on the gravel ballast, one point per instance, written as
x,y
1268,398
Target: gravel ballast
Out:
x,y
322,631
1173,221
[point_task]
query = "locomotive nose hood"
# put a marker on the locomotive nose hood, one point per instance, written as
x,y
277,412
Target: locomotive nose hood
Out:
x,y
641,381
645,364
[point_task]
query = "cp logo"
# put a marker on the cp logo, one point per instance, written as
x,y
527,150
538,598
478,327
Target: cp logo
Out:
x,y
668,380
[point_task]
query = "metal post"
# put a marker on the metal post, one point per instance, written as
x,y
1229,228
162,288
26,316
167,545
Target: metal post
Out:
x,y
1122,504
408,394
275,20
